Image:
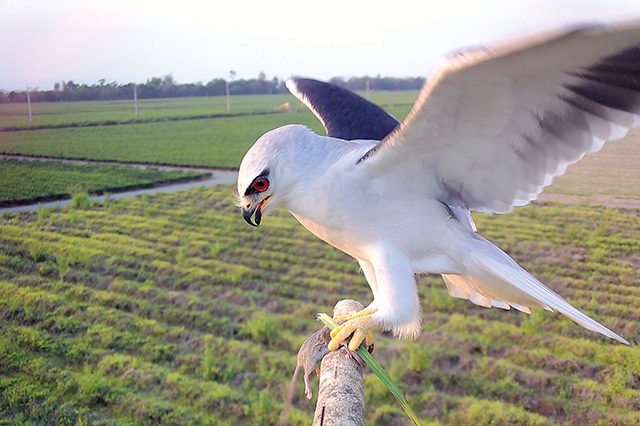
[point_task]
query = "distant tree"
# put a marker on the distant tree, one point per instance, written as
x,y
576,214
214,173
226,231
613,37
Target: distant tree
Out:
x,y
338,81
154,82
17,96
215,87
278,85
166,86
70,85
167,80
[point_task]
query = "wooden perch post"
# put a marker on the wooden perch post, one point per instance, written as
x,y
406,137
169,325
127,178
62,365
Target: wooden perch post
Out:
x,y
341,393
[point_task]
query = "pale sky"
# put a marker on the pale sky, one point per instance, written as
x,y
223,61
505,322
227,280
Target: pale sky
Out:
x,y
44,41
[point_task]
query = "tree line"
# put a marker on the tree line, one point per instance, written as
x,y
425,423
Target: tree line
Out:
x,y
167,87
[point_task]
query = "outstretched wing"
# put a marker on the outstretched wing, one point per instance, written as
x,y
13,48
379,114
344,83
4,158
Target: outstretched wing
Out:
x,y
493,126
348,116
343,114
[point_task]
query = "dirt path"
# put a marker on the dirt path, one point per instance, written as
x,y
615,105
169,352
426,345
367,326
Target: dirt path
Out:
x,y
218,176
163,167
582,172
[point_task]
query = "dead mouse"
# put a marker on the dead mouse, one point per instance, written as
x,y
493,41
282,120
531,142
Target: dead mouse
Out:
x,y
309,356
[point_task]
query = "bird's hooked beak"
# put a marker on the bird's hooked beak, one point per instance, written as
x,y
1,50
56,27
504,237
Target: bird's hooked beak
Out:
x,y
248,214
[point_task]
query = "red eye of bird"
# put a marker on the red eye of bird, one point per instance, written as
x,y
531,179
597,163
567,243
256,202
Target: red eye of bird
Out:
x,y
261,185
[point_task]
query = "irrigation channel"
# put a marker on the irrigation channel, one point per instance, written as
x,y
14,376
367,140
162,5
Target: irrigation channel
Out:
x,y
218,176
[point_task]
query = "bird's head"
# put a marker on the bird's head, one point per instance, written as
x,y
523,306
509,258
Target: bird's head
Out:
x,y
265,175
254,197
255,188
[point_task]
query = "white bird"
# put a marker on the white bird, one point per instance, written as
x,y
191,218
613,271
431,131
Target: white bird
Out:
x,y
491,128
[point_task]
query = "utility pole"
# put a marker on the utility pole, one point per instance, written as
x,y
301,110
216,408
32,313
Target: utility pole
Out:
x,y
29,103
228,100
367,89
232,75
135,99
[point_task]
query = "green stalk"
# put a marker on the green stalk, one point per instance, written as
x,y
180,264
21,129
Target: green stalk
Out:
x,y
378,370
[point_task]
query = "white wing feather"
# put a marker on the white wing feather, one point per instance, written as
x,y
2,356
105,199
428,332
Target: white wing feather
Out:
x,y
493,127
499,281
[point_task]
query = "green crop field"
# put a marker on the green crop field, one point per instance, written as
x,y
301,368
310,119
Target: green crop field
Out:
x,y
219,142
26,181
170,310
222,141
115,112
214,142
183,139
73,114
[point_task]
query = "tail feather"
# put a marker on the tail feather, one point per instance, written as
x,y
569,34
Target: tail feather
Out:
x,y
492,278
463,287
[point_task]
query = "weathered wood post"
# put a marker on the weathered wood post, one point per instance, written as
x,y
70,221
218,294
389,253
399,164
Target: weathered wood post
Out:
x,y
341,393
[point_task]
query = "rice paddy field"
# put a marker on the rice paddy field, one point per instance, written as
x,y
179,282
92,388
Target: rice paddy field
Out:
x,y
168,309
183,132
31,181
215,142
79,114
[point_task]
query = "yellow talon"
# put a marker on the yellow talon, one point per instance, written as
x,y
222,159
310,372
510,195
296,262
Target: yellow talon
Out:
x,y
356,314
357,323
346,317
368,341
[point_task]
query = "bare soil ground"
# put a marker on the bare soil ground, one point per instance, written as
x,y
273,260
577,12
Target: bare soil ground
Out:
x,y
610,177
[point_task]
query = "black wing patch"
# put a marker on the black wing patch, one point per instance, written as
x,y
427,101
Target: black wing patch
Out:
x,y
614,82
344,114
606,96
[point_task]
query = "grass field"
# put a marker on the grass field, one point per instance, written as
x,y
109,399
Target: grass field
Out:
x,y
26,181
221,142
115,112
216,142
180,140
170,310
72,114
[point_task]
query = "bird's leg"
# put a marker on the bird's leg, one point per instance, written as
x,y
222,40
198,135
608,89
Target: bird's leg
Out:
x,y
357,323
